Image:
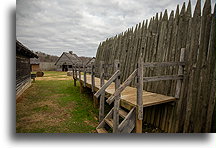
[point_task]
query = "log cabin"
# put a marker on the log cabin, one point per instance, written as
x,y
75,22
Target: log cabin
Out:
x,y
23,68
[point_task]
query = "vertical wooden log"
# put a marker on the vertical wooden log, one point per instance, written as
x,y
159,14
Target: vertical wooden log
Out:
x,y
102,96
75,76
92,77
81,84
191,62
211,73
180,72
84,67
117,101
139,95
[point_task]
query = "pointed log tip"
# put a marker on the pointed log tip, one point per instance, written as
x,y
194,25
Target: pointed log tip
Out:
x,y
215,10
188,11
183,9
171,14
165,16
207,6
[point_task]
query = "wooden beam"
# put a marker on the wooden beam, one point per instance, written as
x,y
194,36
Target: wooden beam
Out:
x,y
140,88
122,87
102,96
84,67
180,73
163,64
115,75
92,78
117,100
128,123
160,78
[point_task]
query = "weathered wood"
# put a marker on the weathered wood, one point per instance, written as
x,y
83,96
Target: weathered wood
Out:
x,y
92,77
122,87
140,87
102,96
211,72
128,124
163,64
102,89
160,78
102,123
180,73
117,101
192,60
84,66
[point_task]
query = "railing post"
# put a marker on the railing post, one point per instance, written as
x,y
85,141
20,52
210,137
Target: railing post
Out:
x,y
117,101
92,77
75,76
84,67
180,72
102,96
79,74
139,111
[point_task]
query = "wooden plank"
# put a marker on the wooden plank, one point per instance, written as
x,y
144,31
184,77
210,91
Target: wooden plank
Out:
x,y
163,64
128,123
113,78
109,121
102,96
101,130
122,87
160,78
102,123
122,113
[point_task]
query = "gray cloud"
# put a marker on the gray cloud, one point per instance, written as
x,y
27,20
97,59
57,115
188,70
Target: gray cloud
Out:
x,y
55,26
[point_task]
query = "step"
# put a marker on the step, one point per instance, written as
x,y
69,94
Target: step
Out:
x,y
101,130
109,122
122,113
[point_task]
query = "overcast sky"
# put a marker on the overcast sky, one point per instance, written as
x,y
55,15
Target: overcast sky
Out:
x,y
56,26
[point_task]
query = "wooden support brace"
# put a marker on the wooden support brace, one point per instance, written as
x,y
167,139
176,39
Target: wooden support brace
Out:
x,y
92,78
180,72
117,101
84,66
122,87
102,96
139,111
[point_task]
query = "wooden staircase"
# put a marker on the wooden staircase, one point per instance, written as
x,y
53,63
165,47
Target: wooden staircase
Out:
x,y
125,126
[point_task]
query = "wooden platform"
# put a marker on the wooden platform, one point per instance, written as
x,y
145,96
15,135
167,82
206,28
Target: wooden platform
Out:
x,y
128,96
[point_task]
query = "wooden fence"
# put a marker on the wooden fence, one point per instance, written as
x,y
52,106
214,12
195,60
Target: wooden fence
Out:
x,y
160,40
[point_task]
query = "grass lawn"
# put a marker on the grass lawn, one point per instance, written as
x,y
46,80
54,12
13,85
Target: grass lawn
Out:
x,y
53,105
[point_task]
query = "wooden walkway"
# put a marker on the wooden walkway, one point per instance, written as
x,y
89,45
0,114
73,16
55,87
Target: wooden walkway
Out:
x,y
129,96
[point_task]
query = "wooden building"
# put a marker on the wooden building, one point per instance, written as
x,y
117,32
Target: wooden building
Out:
x,y
23,69
35,64
67,60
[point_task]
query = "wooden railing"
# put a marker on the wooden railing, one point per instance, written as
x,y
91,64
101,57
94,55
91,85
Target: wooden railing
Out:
x,y
140,79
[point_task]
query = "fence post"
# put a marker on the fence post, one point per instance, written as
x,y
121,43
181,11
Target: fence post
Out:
x,y
75,76
84,67
117,100
139,111
102,96
81,84
92,78
180,72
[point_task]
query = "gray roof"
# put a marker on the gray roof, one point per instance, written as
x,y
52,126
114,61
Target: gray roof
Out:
x,y
34,61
